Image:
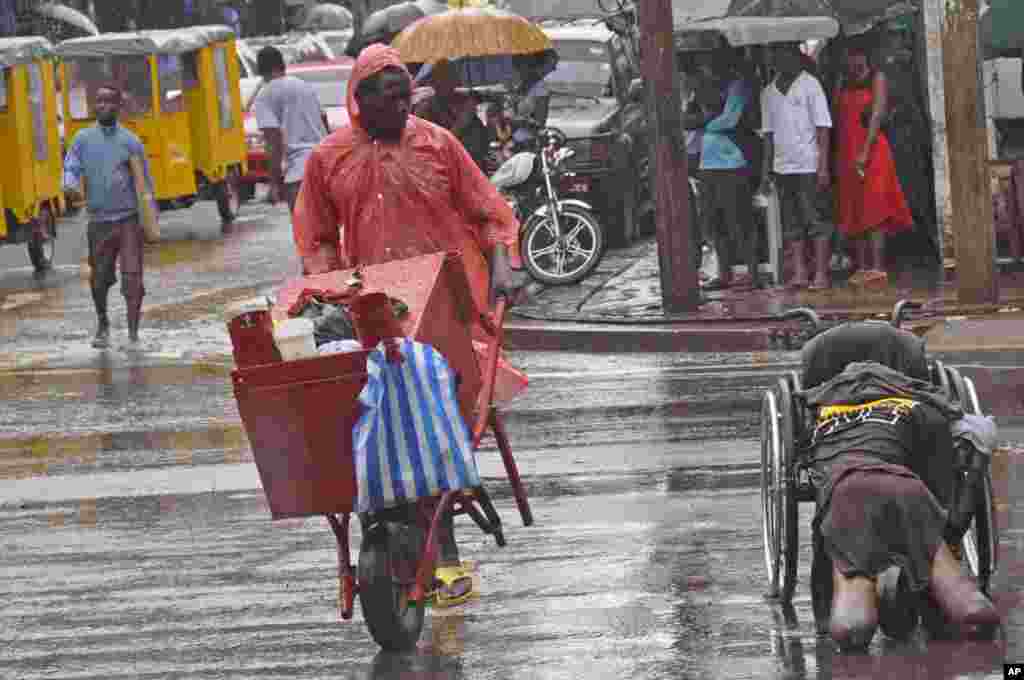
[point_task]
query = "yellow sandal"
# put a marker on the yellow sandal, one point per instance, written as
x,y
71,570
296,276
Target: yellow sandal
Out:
x,y
453,585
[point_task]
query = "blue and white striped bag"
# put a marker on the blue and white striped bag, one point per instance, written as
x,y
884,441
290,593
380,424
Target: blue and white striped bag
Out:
x,y
410,441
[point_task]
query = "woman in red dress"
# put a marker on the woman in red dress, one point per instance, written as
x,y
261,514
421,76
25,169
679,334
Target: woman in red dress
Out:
x,y
871,202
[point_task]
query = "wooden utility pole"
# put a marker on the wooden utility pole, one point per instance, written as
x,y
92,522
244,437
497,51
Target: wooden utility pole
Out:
x,y
970,179
679,289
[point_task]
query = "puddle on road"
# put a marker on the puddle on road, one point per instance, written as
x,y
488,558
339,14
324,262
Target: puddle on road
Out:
x,y
85,382
28,457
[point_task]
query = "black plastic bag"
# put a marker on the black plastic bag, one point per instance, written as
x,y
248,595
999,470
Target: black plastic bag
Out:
x,y
331,322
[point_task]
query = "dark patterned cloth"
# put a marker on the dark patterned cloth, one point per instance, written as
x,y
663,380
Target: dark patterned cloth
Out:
x,y
882,465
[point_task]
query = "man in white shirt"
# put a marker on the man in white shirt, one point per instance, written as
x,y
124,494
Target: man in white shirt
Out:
x,y
292,122
797,126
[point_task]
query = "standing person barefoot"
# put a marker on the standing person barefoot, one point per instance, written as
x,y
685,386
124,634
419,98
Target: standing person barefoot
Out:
x,y
101,154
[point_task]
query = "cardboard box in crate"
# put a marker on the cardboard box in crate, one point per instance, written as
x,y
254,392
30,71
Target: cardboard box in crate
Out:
x,y
441,310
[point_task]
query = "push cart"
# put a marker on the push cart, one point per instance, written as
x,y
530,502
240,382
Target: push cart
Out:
x,y
299,416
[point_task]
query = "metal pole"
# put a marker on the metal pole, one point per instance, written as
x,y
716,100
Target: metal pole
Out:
x,y
679,290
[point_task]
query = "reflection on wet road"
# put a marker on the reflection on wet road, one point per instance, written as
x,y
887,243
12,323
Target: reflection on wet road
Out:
x,y
138,543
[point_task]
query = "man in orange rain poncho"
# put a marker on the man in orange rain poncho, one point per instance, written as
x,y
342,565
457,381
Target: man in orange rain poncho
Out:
x,y
392,186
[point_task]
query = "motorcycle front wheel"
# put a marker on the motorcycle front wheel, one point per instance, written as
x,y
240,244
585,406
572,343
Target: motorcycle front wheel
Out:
x,y
561,261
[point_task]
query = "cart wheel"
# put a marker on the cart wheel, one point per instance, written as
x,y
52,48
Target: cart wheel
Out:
x,y
388,559
43,242
229,198
778,500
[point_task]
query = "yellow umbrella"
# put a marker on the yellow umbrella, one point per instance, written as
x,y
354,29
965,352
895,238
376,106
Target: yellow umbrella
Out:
x,y
470,32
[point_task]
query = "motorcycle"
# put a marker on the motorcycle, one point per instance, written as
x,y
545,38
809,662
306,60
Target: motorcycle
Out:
x,y
561,240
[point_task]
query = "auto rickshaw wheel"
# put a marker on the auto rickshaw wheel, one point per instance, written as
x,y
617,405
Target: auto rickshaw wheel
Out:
x,y
229,197
42,243
388,558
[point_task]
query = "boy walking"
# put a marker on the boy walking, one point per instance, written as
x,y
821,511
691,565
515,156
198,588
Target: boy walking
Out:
x,y
797,125
101,154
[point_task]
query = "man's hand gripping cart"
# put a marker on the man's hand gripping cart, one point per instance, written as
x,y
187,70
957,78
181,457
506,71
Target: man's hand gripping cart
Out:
x,y
299,416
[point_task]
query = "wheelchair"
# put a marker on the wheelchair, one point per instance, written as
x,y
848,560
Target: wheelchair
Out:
x,y
786,426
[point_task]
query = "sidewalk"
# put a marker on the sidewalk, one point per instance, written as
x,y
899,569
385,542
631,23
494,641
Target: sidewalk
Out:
x,y
618,308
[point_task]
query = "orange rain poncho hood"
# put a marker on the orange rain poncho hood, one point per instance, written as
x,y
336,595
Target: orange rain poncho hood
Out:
x,y
370,62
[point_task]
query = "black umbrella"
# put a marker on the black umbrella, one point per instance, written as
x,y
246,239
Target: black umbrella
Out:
x,y
382,26
855,16
328,17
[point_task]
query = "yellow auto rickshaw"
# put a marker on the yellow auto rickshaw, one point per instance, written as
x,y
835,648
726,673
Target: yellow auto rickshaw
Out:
x,y
181,97
30,174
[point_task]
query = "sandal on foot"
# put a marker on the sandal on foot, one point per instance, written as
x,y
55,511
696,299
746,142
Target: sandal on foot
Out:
x,y
453,586
874,279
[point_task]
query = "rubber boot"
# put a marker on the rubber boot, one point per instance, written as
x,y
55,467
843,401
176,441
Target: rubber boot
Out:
x,y
822,260
800,275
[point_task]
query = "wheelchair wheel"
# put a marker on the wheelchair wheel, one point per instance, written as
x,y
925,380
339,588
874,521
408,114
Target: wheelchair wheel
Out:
x,y
980,544
778,493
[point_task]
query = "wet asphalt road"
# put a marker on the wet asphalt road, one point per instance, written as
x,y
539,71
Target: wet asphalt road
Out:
x,y
137,543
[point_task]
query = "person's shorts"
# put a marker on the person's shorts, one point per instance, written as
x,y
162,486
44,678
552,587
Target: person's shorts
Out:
x,y
111,241
806,210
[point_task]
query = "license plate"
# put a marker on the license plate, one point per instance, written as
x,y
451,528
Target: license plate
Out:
x,y
579,186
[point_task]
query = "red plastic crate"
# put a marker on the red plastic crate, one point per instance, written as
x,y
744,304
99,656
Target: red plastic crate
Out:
x,y
299,417
299,414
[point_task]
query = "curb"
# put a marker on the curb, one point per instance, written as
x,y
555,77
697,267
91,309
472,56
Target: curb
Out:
x,y
721,337
608,338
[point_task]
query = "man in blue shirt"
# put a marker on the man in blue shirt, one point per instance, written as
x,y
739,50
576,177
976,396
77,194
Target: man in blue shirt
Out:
x,y
726,168
100,155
